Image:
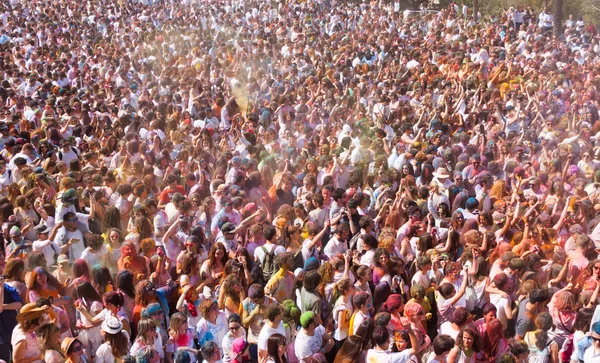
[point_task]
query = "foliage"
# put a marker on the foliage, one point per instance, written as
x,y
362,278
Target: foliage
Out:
x,y
588,9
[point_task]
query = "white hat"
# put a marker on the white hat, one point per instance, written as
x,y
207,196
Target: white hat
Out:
x,y
112,325
441,172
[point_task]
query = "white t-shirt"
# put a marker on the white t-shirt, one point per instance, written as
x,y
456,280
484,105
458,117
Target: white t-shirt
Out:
x,y
63,236
158,345
266,332
306,346
48,248
94,258
385,356
32,349
259,254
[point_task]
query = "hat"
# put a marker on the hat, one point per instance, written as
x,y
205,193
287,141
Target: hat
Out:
x,y
441,172
311,264
15,230
184,280
222,188
499,218
228,228
238,346
306,318
68,196
112,325
62,259
30,311
42,228
67,342
151,309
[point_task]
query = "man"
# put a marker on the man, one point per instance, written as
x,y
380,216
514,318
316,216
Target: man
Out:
x,y
67,233
67,153
592,354
18,247
338,244
273,325
281,285
501,301
528,310
320,214
312,342
173,187
414,217
228,211
234,171
45,244
254,309
381,352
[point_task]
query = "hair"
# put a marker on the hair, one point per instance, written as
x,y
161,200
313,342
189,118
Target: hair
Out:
x,y
360,299
113,297
205,307
381,335
584,319
213,250
565,300
543,323
311,281
228,291
273,343
365,332
86,291
460,316
291,313
472,332
119,344
81,268
341,288
209,348
125,283
492,337
145,354
144,326
111,219
100,277
442,344
392,303
47,339
51,280
351,350
13,268
273,311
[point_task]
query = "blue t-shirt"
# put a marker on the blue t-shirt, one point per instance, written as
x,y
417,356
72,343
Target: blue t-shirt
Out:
x,y
8,318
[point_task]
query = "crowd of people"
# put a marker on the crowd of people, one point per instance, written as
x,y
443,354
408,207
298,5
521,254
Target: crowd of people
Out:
x,y
297,181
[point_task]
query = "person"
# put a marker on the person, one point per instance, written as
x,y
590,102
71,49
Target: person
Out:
x,y
236,330
312,342
147,355
213,325
276,349
148,336
240,351
281,284
350,351
442,345
592,353
467,346
181,337
11,304
116,341
380,352
273,325
73,350
253,315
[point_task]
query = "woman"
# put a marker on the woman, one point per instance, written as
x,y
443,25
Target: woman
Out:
x,y
116,341
24,342
351,350
342,309
14,273
380,268
42,284
113,303
231,295
542,348
147,336
563,309
467,346
130,260
212,269
294,246
402,343
181,336
276,349
494,344
49,340
213,325
73,349
414,312
90,300
126,288
101,279
236,330
394,305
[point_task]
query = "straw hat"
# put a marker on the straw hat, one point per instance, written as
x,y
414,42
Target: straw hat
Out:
x,y
31,311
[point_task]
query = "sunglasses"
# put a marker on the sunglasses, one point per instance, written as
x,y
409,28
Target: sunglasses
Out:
x,y
77,349
73,220
234,328
595,339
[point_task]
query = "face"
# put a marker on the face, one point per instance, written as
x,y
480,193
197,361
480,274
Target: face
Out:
x,y
489,316
401,344
41,279
235,329
114,237
127,251
383,259
468,340
77,349
596,340
282,349
219,254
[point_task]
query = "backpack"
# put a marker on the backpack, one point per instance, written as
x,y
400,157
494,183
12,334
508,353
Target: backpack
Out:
x,y
269,267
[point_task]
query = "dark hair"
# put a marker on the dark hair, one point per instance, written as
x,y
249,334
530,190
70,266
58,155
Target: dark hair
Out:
x,y
539,296
472,332
350,350
442,344
273,311
381,335
273,344
125,283
85,290
488,308
269,232
311,281
113,297
460,316
365,331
